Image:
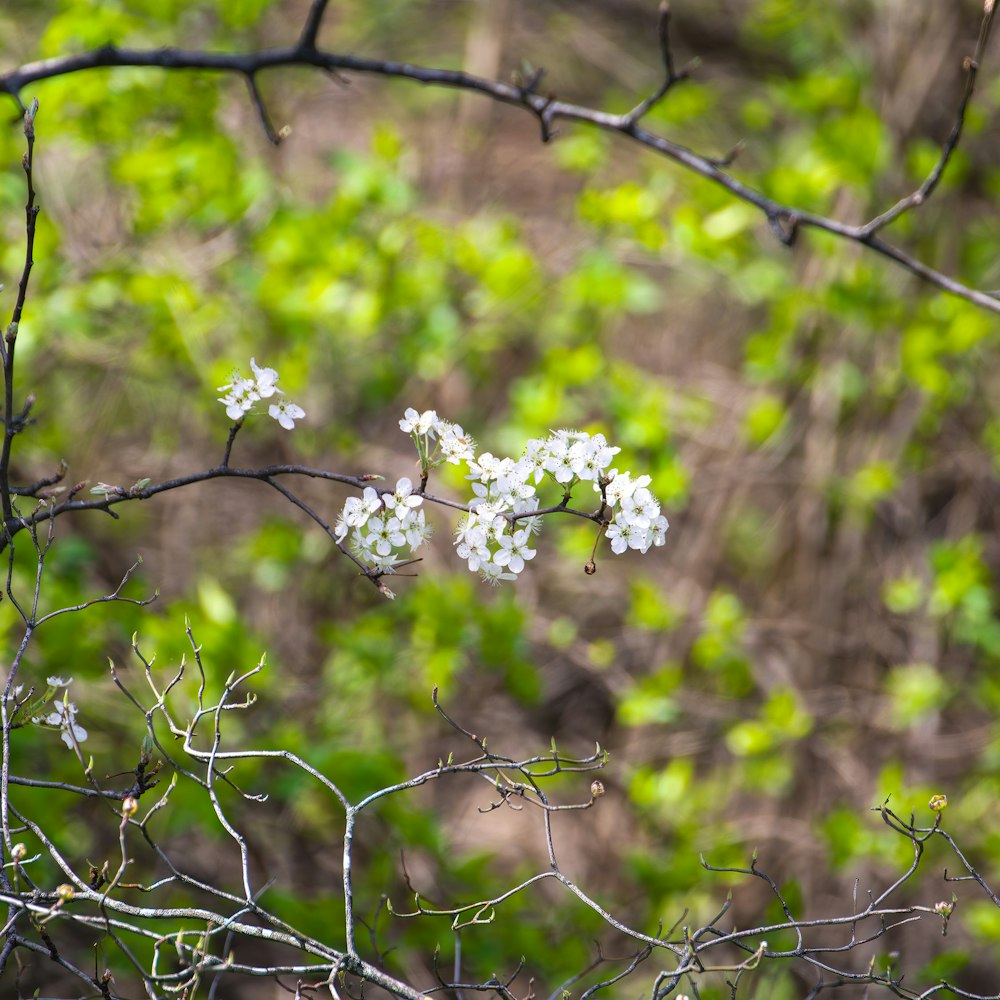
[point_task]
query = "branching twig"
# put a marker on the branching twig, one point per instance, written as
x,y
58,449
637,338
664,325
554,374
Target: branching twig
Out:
x,y
785,220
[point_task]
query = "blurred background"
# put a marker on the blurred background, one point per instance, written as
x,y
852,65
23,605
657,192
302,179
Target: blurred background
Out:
x,y
820,631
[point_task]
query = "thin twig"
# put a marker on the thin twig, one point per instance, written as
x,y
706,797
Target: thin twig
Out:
x,y
545,108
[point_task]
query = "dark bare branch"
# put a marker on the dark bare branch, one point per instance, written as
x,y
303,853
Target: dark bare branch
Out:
x,y
548,111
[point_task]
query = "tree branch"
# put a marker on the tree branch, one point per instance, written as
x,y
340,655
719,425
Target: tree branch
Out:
x,y
786,220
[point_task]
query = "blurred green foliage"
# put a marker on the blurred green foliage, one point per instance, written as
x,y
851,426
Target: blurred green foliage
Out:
x,y
174,244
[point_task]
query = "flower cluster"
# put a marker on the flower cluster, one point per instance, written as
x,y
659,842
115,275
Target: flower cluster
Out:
x,y
383,528
492,546
493,538
437,440
572,457
380,525
242,393
638,523
63,715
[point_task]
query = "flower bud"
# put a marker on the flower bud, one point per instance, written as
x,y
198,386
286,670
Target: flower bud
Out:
x,y
18,851
130,805
65,892
938,802
596,789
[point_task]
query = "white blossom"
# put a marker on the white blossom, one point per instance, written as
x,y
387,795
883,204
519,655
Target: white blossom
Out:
x,y
417,531
286,413
356,511
493,537
402,503
514,551
591,457
420,423
484,468
476,555
658,530
456,445
536,454
494,574
641,508
623,485
384,535
560,460
266,380
620,535
385,564
64,718
469,530
241,393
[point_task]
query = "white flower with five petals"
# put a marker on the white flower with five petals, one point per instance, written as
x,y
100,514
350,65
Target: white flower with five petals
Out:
x,y
402,502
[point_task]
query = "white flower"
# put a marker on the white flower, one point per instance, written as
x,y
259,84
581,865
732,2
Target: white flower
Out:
x,y
286,413
560,460
620,535
236,404
238,385
536,454
342,528
469,531
590,457
417,531
64,718
533,525
511,481
470,542
58,682
641,508
476,556
266,380
379,530
241,396
658,530
484,468
420,423
242,393
357,510
514,550
456,445
494,536
384,534
402,502
490,516
494,574
623,485
386,564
